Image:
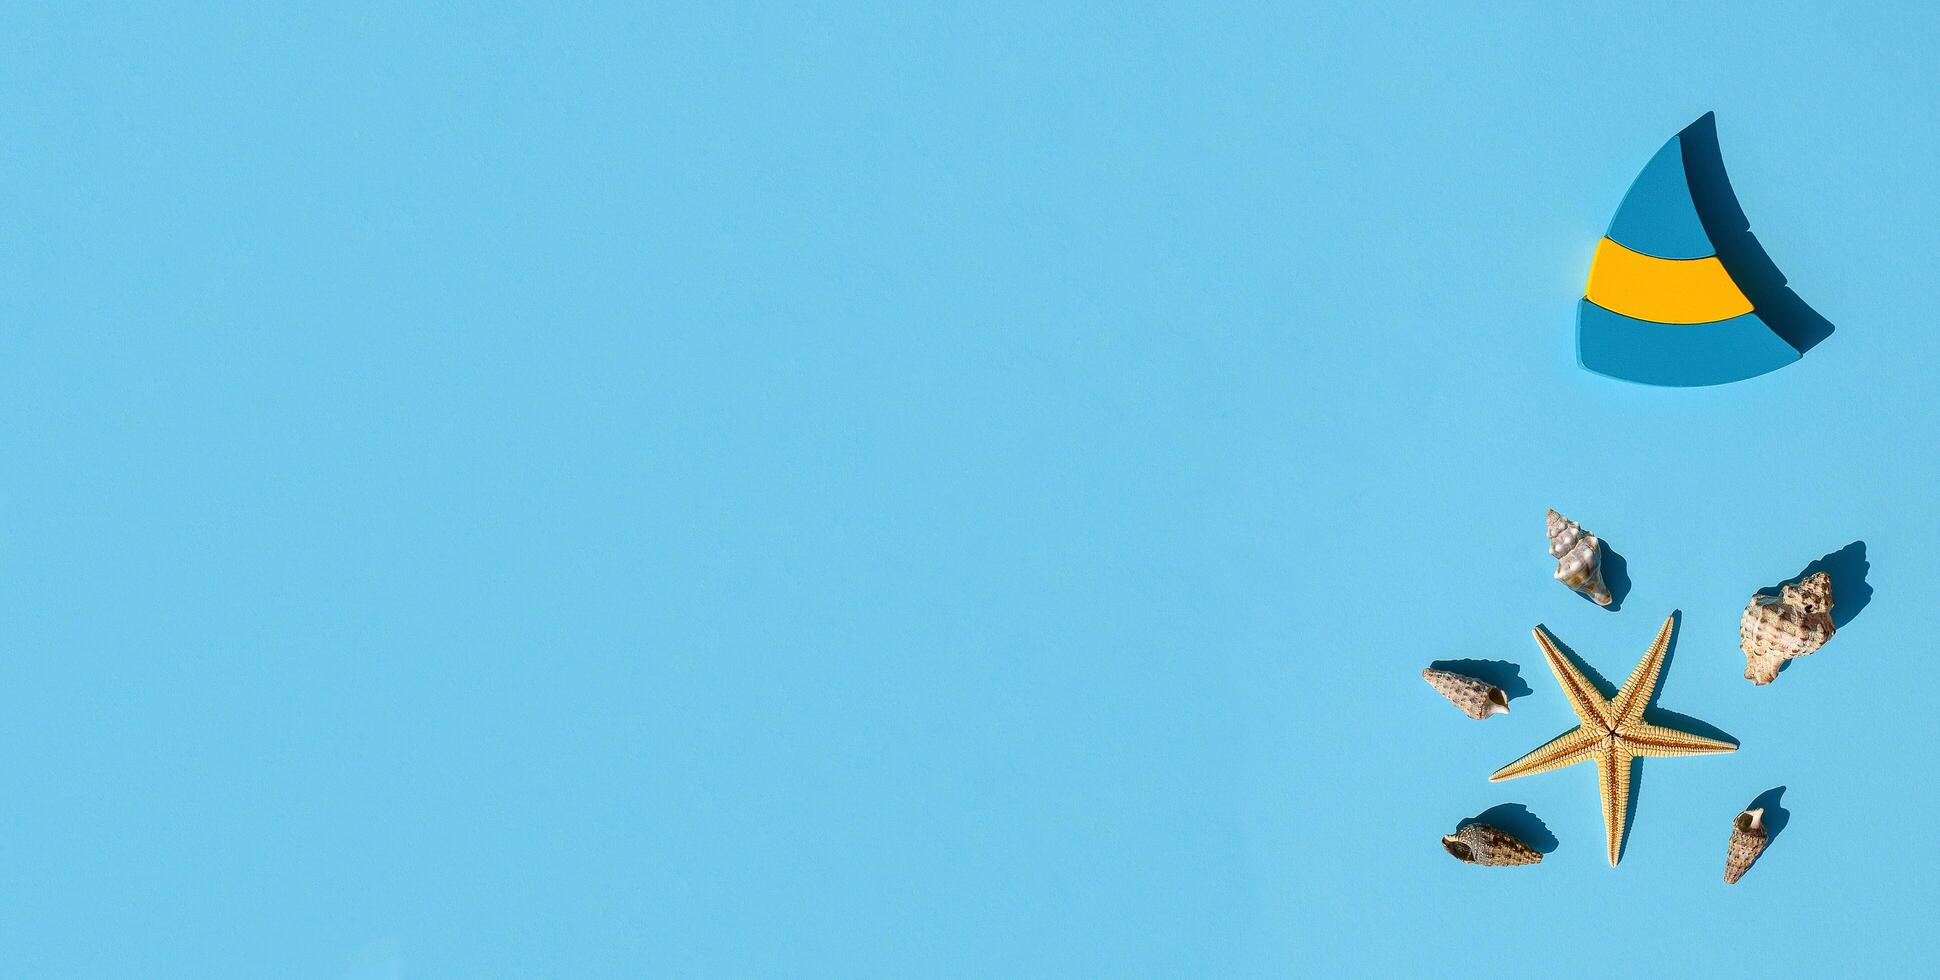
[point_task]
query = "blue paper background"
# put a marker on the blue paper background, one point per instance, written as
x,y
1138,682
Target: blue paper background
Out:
x,y
725,490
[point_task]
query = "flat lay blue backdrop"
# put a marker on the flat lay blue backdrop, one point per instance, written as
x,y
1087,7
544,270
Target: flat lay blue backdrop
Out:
x,y
906,490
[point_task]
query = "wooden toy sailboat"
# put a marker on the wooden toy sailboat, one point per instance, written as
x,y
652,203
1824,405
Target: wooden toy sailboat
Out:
x,y
1661,307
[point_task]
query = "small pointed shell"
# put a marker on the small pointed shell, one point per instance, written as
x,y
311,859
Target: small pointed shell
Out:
x,y
1794,623
1480,843
1579,558
1748,840
1477,698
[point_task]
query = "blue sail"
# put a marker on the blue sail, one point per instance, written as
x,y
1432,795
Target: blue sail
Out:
x,y
1658,216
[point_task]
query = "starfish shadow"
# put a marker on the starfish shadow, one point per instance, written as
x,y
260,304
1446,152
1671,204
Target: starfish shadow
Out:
x,y
1654,715
1686,723
1603,686
1518,821
1500,673
1636,792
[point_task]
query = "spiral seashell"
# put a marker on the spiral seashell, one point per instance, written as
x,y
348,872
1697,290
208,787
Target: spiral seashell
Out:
x,y
1748,840
1477,698
1479,843
1794,623
1579,562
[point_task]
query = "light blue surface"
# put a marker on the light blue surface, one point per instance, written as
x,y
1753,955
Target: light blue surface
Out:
x,y
1657,216
1679,354
730,490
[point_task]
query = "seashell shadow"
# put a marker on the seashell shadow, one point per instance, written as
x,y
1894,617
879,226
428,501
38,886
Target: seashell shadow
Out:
x,y
1776,817
1500,673
1616,578
1518,821
1850,591
1603,686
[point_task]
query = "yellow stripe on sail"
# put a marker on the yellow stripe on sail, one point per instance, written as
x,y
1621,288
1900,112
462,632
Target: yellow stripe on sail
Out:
x,y
1645,287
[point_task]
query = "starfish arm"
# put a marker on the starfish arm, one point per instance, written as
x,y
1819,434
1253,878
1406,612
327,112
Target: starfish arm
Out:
x,y
1613,780
1566,749
1656,740
1590,706
1628,705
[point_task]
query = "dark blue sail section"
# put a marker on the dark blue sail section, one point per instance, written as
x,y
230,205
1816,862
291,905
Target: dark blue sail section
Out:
x,y
1658,216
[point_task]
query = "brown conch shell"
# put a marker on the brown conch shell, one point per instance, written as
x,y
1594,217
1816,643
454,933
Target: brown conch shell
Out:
x,y
1478,699
1792,624
1479,843
1748,840
1579,562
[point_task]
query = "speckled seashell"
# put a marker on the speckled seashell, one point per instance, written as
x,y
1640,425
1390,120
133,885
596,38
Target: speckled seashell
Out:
x,y
1794,623
1748,840
1479,843
1579,562
1478,699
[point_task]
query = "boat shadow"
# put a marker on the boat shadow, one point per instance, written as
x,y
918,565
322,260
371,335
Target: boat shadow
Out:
x,y
1738,250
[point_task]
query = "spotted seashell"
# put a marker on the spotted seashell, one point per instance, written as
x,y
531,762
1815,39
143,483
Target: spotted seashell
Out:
x,y
1748,840
1793,623
1478,699
1479,843
1579,561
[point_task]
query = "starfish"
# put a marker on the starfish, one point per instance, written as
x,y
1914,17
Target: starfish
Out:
x,y
1612,732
